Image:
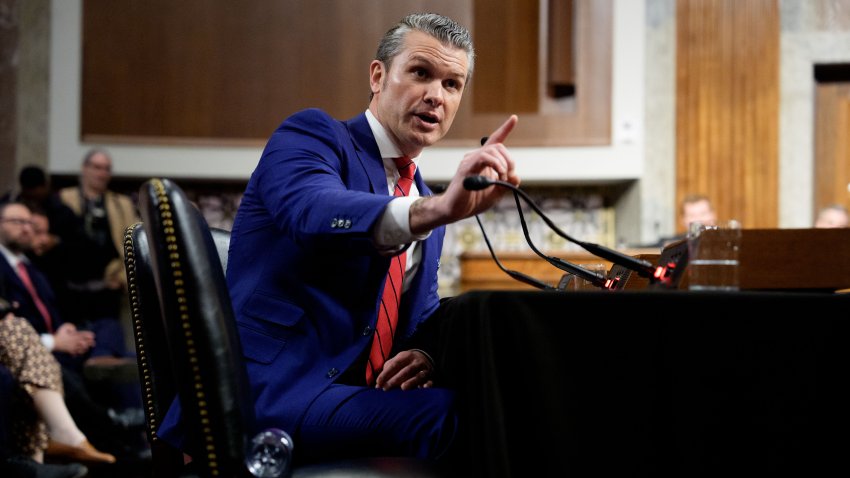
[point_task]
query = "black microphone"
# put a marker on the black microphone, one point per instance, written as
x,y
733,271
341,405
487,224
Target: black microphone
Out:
x,y
514,274
476,183
642,267
588,275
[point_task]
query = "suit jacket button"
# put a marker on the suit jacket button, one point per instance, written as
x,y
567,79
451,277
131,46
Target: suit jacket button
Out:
x,y
347,224
367,330
333,223
332,373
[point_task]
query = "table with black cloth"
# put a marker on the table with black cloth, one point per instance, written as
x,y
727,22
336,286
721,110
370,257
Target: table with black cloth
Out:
x,y
650,383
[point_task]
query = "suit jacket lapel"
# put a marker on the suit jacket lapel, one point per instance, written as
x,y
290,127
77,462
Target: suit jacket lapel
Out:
x,y
368,152
33,315
10,272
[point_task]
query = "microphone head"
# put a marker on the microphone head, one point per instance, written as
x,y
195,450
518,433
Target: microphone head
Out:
x,y
476,183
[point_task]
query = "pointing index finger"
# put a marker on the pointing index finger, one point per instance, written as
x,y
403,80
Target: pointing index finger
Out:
x,y
503,131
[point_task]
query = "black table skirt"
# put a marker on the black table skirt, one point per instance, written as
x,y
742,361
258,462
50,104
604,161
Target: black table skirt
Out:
x,y
650,383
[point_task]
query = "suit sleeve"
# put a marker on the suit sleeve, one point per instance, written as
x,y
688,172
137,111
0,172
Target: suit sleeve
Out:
x,y
315,188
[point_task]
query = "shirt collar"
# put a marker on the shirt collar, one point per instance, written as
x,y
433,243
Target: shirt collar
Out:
x,y
12,258
386,146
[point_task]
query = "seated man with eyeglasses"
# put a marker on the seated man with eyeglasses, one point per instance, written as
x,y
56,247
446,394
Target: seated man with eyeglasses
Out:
x,y
28,289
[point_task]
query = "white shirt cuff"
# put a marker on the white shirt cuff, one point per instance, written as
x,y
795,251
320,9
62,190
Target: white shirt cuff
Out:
x,y
48,341
392,231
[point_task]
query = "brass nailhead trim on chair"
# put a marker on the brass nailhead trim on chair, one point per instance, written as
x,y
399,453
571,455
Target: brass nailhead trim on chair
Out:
x,y
176,268
136,315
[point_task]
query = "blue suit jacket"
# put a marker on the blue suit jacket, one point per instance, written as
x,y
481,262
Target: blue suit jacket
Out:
x,y
13,290
305,278
108,332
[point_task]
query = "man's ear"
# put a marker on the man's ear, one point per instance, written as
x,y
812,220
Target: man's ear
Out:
x,y
377,75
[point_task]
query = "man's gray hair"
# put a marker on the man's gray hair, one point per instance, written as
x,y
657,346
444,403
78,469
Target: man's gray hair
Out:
x,y
438,26
94,151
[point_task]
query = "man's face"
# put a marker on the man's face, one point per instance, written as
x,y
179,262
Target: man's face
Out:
x,y
97,172
417,98
40,234
699,211
16,228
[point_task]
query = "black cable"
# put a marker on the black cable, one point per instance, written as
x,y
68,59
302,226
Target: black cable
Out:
x,y
642,267
514,274
588,275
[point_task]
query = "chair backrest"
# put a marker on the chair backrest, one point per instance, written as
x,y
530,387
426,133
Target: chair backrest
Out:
x,y
180,303
157,379
204,346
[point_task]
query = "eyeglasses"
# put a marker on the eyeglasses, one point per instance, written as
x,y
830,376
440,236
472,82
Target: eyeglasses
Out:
x,y
18,221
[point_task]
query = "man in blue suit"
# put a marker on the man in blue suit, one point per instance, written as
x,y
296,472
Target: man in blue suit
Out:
x,y
315,235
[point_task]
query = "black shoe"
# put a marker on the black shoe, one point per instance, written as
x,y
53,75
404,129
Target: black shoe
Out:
x,y
133,448
24,467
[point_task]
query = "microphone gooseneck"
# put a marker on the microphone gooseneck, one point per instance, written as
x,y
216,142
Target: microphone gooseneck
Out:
x,y
514,274
588,275
642,267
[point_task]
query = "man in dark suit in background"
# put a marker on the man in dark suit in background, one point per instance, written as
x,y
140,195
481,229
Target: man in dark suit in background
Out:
x,y
694,208
29,290
16,234
317,231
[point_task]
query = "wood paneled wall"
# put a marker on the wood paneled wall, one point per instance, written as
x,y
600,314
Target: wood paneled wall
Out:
x,y
515,53
832,145
215,71
727,107
560,74
507,54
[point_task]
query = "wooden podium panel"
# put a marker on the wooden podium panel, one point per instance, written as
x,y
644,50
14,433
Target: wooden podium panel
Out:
x,y
803,259
793,259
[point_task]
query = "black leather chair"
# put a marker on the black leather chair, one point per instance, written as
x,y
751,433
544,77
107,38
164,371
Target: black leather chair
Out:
x,y
156,377
188,345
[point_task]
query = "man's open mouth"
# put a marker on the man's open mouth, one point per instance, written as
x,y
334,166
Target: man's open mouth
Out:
x,y
427,118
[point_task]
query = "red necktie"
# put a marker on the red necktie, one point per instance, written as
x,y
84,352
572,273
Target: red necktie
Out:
x,y
382,341
25,278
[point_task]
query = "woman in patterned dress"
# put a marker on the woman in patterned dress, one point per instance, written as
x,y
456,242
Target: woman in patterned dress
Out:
x,y
50,428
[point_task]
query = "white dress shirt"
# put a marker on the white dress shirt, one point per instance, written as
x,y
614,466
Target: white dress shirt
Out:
x,y
13,259
392,232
